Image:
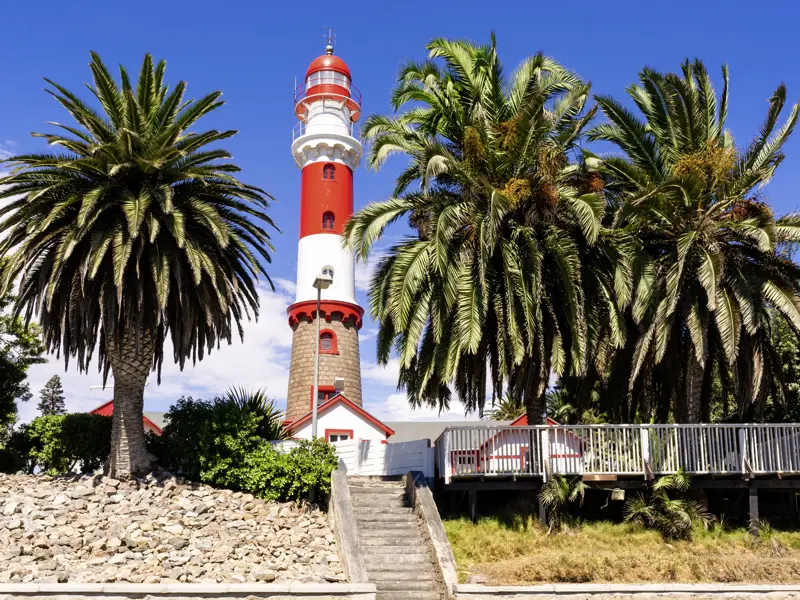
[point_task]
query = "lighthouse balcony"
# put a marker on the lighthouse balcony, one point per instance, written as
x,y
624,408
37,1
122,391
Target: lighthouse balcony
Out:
x,y
306,96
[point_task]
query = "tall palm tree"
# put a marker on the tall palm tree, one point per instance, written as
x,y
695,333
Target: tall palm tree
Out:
x,y
709,268
132,234
488,294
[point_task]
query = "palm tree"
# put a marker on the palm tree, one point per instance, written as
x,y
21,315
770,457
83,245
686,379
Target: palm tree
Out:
x,y
488,294
258,403
671,515
507,408
132,234
557,495
708,267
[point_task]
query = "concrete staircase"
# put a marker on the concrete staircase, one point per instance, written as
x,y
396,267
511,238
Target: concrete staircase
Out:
x,y
395,553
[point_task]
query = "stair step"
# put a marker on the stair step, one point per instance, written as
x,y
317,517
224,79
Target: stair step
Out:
x,y
371,483
377,530
388,540
367,489
396,574
382,498
392,526
359,510
406,585
407,518
394,595
405,558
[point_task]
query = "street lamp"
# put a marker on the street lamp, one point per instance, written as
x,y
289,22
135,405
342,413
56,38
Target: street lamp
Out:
x,y
322,282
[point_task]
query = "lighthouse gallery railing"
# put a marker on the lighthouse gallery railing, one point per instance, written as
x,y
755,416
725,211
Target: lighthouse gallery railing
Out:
x,y
724,449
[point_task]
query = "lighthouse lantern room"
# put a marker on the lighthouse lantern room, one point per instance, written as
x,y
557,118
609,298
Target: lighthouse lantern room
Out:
x,y
327,151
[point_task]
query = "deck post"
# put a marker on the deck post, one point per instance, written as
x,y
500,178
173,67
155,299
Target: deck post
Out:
x,y
753,491
645,442
447,458
542,513
545,438
743,451
473,505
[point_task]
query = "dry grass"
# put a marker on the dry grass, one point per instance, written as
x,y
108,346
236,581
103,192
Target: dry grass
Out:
x,y
612,553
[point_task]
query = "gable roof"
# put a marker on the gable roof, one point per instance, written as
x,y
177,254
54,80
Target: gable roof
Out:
x,y
522,421
335,401
107,410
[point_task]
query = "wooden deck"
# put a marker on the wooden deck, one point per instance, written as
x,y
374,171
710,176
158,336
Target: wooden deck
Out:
x,y
598,452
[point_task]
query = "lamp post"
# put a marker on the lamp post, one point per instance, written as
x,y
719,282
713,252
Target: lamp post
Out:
x,y
322,282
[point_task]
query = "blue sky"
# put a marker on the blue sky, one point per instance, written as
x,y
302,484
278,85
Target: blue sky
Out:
x,y
252,51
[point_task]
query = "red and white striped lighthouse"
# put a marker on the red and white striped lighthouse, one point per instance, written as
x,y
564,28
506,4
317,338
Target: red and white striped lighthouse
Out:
x,y
326,149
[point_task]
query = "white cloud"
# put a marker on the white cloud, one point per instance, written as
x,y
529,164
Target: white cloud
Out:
x,y
383,374
285,285
7,149
397,408
367,334
363,272
262,360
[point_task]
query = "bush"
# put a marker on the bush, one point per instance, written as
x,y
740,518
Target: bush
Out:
x,y
672,516
56,444
557,495
272,475
219,443
206,441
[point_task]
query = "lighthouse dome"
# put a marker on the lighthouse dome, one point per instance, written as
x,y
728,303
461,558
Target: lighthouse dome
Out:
x,y
328,62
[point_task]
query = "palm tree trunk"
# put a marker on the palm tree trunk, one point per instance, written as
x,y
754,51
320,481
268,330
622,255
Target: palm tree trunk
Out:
x,y
534,408
694,389
131,366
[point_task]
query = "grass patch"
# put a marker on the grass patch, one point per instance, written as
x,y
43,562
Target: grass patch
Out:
x,y
522,553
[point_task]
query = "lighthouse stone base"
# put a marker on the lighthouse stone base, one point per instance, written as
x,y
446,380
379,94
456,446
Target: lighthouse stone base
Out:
x,y
344,363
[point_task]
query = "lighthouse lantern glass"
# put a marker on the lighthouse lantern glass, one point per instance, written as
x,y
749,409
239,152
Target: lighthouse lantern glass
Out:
x,y
327,78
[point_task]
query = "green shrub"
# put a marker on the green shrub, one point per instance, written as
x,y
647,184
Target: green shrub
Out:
x,y
219,443
272,475
56,444
206,440
557,495
662,507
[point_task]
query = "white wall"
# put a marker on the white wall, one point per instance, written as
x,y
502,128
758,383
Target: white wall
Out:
x,y
342,417
320,250
366,457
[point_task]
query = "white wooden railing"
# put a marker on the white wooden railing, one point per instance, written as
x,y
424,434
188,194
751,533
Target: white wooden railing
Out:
x,y
490,451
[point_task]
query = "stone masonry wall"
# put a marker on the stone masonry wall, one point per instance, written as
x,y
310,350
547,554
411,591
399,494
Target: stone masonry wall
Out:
x,y
346,364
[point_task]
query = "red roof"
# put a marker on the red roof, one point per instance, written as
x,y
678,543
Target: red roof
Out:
x,y
107,410
328,62
523,422
340,399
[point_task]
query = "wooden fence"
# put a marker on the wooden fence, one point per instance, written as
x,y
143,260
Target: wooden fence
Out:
x,y
491,451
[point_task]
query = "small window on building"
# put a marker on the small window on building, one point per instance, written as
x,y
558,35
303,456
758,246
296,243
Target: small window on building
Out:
x,y
340,436
327,220
326,342
327,270
329,172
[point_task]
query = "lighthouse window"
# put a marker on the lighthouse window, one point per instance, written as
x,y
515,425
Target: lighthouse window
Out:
x,y
327,342
329,172
327,78
328,271
327,220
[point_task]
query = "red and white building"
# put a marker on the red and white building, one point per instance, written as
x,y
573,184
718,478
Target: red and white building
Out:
x,y
326,148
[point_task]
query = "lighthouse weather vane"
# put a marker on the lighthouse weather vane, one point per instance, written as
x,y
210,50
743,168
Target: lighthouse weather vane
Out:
x,y
331,37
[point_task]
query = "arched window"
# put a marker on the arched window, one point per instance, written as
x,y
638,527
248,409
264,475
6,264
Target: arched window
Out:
x,y
329,172
327,342
328,270
327,220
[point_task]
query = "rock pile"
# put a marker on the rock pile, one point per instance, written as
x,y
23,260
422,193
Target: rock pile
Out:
x,y
153,530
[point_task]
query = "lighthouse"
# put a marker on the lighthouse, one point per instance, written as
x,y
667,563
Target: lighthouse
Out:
x,y
327,151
